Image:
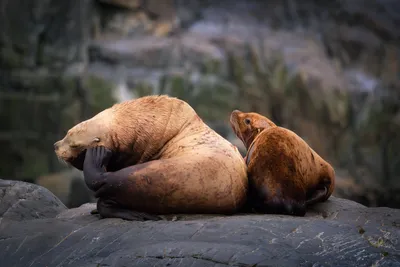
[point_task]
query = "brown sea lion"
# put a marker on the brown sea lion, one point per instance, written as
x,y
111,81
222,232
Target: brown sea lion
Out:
x,y
154,155
285,174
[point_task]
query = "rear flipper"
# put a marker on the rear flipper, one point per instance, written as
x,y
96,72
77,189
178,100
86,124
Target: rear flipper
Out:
x,y
247,207
280,206
111,209
319,195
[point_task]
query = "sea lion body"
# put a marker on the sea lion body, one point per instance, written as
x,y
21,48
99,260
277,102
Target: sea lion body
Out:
x,y
155,155
285,173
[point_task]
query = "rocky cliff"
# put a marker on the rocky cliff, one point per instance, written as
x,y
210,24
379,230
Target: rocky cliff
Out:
x,y
329,72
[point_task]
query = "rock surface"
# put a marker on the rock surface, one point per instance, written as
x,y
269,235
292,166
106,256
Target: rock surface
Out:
x,y
24,201
68,186
336,233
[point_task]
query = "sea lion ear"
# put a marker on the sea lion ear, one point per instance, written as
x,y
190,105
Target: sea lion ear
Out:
x,y
263,124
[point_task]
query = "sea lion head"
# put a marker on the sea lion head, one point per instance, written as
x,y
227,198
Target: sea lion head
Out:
x,y
248,125
135,129
90,133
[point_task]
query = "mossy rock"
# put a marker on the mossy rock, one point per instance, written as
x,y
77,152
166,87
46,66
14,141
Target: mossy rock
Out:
x,y
211,66
9,58
100,93
143,89
39,110
179,86
213,99
376,129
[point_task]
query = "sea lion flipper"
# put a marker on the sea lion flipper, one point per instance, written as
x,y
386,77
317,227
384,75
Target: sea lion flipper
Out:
x,y
317,196
100,156
278,205
110,209
96,159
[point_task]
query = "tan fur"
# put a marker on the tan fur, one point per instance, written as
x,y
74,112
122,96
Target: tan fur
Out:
x,y
284,172
181,165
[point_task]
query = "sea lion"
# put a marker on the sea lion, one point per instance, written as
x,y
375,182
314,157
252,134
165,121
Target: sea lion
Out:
x,y
155,155
285,174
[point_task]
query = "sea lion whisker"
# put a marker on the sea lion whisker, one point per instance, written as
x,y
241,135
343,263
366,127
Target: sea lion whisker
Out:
x,y
61,160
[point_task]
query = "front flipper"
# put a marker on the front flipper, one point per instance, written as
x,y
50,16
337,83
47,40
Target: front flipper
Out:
x,y
110,209
96,159
318,196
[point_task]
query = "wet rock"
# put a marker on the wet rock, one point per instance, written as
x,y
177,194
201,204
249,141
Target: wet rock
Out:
x,y
21,201
338,232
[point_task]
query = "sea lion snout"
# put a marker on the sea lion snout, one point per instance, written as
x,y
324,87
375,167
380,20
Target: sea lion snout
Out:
x,y
59,149
234,116
235,113
56,145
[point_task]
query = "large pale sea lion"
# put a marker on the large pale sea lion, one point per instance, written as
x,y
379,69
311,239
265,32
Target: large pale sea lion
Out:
x,y
285,174
154,155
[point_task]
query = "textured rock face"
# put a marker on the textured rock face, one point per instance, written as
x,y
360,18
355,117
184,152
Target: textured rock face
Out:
x,y
44,33
24,201
68,186
43,89
336,233
42,51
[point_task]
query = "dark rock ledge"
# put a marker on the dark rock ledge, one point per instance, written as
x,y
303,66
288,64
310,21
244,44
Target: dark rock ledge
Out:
x,y
36,229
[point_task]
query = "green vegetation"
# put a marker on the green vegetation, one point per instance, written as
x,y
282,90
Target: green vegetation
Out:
x,y
377,129
9,57
100,93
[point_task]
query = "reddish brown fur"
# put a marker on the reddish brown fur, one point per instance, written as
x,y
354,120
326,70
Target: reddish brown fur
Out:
x,y
175,162
284,173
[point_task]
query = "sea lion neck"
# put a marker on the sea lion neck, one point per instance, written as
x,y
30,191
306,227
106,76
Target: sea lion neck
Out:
x,y
249,138
152,123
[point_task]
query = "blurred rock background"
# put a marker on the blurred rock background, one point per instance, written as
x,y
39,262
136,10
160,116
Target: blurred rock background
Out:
x,y
327,70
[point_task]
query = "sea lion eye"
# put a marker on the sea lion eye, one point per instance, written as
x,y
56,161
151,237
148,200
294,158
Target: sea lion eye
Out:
x,y
247,121
96,139
73,146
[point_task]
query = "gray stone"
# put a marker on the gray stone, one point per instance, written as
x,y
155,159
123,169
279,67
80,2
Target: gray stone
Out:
x,y
68,186
336,233
25,201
